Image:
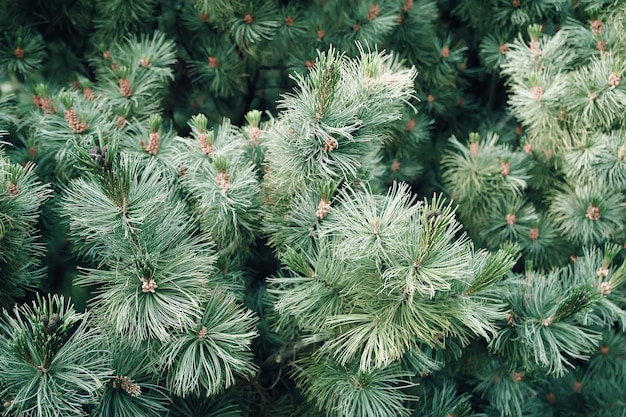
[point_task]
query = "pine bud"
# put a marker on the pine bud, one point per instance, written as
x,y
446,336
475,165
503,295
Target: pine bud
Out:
x,y
148,285
255,135
602,272
154,142
510,319
206,142
223,181
125,87
88,93
330,144
593,213
597,27
202,333
323,209
19,53
511,218
126,384
605,288
13,190
373,12
73,122
505,168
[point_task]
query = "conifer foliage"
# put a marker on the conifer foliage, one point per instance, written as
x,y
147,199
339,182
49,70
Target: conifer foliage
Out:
x,y
312,208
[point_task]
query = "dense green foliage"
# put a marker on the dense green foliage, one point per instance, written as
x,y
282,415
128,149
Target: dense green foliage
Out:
x,y
312,208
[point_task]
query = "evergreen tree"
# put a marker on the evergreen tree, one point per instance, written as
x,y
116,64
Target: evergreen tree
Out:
x,y
312,208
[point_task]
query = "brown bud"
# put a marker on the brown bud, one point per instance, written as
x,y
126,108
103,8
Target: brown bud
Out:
x,y
517,376
125,88
605,288
202,333
19,53
593,213
13,190
323,209
373,12
330,144
511,219
528,148
148,285
505,168
596,26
